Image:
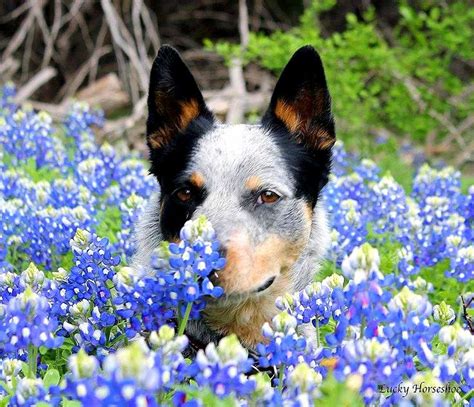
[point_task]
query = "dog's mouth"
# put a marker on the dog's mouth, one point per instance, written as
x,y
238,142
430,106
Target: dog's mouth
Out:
x,y
247,293
266,285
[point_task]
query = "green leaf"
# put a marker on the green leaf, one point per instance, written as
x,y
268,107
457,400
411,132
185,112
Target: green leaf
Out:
x,y
65,354
334,393
4,402
25,369
71,403
51,378
4,386
435,13
67,261
406,13
351,18
43,350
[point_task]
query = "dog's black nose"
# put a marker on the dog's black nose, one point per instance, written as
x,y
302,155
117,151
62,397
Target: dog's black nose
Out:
x,y
267,284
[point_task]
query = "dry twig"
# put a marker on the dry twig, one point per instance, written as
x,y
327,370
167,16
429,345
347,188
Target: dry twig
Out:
x,y
236,111
124,41
35,83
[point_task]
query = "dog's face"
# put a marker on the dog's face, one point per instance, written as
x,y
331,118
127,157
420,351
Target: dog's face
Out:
x,y
257,184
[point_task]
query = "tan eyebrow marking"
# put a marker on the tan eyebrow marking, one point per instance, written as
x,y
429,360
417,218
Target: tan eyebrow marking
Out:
x,y
253,182
197,179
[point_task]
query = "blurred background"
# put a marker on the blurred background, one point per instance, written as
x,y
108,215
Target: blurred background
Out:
x,y
400,72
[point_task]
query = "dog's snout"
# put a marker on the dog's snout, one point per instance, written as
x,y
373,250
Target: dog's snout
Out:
x,y
267,284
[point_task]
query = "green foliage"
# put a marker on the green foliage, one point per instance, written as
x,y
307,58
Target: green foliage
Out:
x,y
29,169
444,289
39,174
109,223
66,261
206,396
327,269
466,183
389,257
388,158
367,68
335,393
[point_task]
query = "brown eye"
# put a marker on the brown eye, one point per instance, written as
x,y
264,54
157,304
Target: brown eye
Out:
x,y
184,194
268,197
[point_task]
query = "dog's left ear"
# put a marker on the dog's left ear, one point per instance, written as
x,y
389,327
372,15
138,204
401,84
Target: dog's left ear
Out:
x,y
301,101
174,99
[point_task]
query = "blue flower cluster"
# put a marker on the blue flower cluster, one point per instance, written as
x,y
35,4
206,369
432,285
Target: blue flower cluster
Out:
x,y
132,376
177,283
431,224
77,324
51,185
83,295
377,335
94,307
223,368
27,320
372,361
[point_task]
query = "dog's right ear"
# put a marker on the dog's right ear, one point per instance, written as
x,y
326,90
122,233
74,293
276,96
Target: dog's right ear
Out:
x,y
174,99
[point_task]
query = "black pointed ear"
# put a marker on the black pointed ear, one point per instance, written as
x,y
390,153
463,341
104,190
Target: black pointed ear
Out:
x,y
301,101
174,99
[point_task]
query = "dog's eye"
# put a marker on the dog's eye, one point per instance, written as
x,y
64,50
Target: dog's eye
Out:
x,y
268,197
184,194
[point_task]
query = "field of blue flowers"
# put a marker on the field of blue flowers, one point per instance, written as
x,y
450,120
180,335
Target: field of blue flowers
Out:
x,y
390,307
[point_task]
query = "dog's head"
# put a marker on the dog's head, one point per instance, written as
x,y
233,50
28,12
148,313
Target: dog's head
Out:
x,y
257,184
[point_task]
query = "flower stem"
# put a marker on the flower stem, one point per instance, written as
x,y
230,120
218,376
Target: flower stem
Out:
x,y
281,374
461,308
318,338
465,397
184,321
362,327
32,360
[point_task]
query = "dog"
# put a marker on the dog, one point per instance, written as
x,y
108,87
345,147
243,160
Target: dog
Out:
x,y
259,185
